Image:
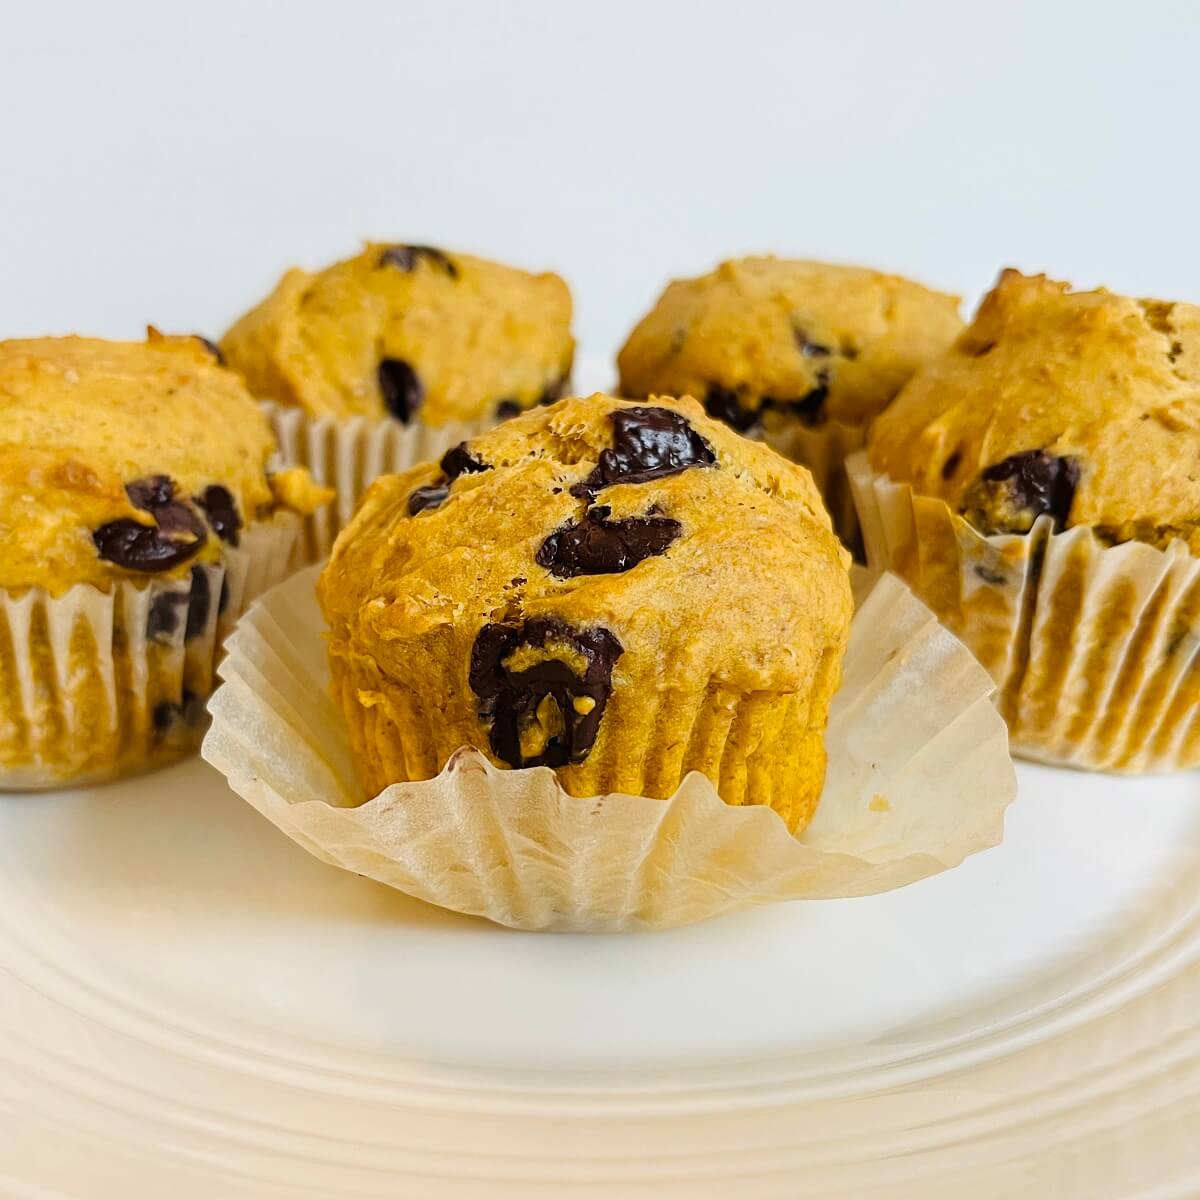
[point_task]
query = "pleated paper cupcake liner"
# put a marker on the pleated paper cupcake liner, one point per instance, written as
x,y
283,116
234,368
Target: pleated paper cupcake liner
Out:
x,y
918,778
823,449
95,685
1093,647
350,455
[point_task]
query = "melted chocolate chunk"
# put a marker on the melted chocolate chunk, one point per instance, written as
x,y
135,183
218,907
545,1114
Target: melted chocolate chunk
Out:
x,y
406,258
155,491
222,512
177,534
508,408
648,443
459,461
211,347
401,388
723,405
1038,483
514,701
598,546
432,495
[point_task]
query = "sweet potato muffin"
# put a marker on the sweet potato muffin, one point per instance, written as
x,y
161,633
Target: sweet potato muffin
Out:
x,y
806,354
137,517
408,332
621,592
1036,486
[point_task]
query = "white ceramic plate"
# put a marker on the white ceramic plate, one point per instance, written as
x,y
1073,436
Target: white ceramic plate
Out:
x,y
190,999
192,1007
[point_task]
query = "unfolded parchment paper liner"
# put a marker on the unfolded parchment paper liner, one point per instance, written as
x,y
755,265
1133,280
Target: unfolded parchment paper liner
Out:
x,y
919,777
349,455
1093,647
823,449
97,684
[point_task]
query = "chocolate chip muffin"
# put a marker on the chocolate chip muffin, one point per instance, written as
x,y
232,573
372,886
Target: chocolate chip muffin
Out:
x,y
622,592
1083,406
804,354
1035,485
389,358
138,517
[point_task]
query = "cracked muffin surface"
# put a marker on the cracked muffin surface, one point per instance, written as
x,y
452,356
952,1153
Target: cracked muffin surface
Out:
x,y
1082,405
124,460
767,341
411,332
624,592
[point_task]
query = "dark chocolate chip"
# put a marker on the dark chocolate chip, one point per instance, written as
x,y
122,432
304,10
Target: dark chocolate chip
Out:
x,y
598,546
401,388
723,405
509,700
508,408
162,621
1038,483
201,601
648,443
143,547
155,491
211,347
810,408
222,512
177,534
459,461
407,257
432,495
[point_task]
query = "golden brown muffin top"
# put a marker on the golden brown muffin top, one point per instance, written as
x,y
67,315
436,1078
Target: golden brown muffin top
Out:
x,y
771,340
593,535
121,460
1082,405
410,332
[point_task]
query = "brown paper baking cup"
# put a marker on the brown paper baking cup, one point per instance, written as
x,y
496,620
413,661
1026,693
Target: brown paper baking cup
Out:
x,y
1093,647
96,685
919,777
349,455
823,449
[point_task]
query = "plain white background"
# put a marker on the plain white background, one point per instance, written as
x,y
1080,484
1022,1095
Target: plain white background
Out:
x,y
164,162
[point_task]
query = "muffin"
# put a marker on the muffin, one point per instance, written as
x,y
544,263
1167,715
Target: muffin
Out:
x,y
392,357
138,520
1034,484
803,354
621,592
